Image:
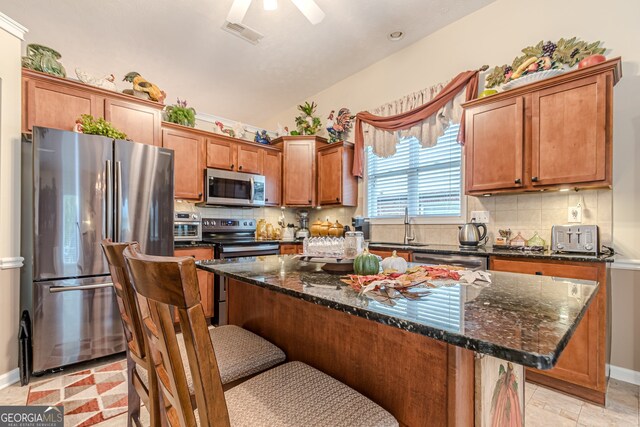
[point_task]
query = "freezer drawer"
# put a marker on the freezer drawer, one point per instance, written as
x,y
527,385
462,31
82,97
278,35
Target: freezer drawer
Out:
x,y
73,321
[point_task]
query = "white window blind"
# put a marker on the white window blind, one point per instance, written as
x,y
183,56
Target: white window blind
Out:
x,y
427,180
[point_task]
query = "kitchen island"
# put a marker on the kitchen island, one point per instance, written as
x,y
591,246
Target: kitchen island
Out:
x,y
416,358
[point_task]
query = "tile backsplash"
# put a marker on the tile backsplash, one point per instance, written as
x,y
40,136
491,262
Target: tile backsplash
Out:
x,y
272,214
525,213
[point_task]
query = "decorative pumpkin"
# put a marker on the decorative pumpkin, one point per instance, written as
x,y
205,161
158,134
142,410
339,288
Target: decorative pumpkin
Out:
x,y
394,263
366,264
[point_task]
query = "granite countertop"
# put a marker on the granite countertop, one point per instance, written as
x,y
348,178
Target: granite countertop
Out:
x,y
525,319
491,251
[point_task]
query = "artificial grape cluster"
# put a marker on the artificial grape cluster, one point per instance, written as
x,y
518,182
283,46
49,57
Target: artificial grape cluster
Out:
x,y
548,49
508,69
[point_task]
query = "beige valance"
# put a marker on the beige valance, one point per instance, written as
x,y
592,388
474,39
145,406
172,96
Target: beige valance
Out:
x,y
427,132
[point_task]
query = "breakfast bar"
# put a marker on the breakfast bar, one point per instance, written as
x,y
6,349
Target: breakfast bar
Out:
x,y
429,360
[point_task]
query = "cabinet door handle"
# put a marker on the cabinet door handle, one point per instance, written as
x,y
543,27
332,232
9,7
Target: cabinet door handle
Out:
x,y
534,179
199,194
240,167
266,200
518,181
309,200
232,165
539,273
337,199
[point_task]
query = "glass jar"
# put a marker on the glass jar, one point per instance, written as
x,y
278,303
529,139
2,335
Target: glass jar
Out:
x,y
353,243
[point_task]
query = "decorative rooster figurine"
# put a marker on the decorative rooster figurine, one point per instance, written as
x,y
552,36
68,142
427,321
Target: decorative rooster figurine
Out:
x,y
224,131
340,125
142,85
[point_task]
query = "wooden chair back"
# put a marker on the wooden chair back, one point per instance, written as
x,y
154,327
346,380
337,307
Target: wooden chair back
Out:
x,y
167,282
126,298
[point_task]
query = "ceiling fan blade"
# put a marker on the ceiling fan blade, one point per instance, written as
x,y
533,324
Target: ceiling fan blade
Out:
x,y
238,11
310,10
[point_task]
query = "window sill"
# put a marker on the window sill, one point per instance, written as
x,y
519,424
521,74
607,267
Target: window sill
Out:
x,y
419,221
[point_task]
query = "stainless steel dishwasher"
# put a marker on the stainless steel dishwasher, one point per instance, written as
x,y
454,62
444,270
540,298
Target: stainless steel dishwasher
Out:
x,y
470,262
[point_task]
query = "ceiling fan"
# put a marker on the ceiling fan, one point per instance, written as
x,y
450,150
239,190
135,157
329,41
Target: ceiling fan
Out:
x,y
309,9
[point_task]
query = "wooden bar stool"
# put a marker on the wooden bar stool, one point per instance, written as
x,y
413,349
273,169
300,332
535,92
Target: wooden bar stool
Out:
x,y
241,353
292,394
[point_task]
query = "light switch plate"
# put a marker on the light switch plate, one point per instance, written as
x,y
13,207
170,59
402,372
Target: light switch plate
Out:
x,y
574,214
480,216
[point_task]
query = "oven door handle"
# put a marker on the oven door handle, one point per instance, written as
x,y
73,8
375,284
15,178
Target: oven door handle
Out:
x,y
233,249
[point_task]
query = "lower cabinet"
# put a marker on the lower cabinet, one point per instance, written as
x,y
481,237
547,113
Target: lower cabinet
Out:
x,y
290,249
581,368
385,254
205,280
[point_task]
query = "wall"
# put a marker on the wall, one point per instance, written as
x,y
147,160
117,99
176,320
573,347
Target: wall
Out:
x,y
10,102
494,35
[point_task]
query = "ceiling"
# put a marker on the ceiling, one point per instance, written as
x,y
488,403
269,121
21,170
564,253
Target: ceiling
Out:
x,y
184,51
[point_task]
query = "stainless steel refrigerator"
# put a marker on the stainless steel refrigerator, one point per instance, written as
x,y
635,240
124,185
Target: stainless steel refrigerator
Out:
x,y
76,191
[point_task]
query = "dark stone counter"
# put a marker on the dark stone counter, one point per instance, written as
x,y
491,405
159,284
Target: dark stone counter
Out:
x,y
491,251
525,319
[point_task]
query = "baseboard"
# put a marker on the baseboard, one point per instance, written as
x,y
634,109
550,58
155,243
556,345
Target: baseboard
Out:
x,y
9,378
624,374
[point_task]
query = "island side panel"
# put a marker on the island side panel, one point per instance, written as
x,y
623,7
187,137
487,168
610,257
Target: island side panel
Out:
x,y
421,381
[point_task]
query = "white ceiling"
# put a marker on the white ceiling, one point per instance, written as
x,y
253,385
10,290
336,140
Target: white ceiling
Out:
x,y
179,45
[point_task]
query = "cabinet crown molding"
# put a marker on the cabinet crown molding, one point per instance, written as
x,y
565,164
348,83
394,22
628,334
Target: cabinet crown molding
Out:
x,y
12,27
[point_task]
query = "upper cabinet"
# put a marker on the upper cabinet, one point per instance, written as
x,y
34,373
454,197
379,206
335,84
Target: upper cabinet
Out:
x,y
221,153
336,184
272,166
189,157
299,169
54,102
141,123
546,135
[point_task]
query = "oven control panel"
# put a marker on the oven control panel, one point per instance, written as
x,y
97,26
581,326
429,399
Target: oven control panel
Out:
x,y
228,225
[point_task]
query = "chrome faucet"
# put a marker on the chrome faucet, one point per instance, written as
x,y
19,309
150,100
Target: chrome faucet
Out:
x,y
407,228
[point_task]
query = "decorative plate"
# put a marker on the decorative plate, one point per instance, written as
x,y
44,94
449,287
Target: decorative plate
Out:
x,y
530,78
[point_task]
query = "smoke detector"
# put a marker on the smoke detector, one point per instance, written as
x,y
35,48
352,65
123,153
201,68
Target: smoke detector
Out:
x,y
396,36
240,30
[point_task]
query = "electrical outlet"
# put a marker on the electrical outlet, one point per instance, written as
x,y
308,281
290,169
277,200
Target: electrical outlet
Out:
x,y
480,216
574,214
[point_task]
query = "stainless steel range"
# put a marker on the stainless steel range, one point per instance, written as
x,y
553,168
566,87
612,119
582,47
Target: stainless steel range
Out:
x,y
233,238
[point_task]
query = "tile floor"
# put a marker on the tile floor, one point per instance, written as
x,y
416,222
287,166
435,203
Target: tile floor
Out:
x,y
543,407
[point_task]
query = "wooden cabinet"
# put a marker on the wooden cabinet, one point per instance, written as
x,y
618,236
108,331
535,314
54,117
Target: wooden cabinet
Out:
x,y
188,159
272,169
140,123
569,141
551,134
336,184
581,368
290,249
495,128
205,280
55,102
385,254
250,158
54,105
299,169
221,153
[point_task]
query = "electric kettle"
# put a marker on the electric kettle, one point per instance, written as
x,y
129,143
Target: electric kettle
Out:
x,y
469,234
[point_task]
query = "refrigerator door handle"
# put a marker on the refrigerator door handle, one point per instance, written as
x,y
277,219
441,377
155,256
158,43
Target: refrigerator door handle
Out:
x,y
109,201
118,188
55,289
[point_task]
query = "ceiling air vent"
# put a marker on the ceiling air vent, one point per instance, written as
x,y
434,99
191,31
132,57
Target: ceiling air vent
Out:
x,y
242,31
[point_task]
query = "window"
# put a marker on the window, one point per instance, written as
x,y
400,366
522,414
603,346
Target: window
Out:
x,y
427,180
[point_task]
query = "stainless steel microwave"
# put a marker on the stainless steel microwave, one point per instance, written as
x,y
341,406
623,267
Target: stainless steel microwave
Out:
x,y
226,188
